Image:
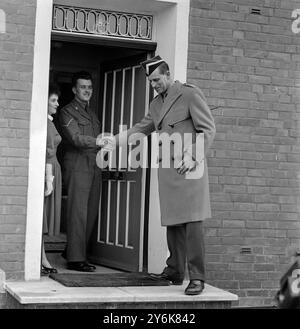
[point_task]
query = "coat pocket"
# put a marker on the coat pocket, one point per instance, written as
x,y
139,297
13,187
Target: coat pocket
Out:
x,y
84,126
179,119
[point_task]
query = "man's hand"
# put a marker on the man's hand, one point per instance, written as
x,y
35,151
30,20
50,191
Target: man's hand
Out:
x,y
49,185
187,164
107,143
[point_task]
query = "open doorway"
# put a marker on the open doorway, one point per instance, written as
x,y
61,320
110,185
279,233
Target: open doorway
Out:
x,y
120,97
169,16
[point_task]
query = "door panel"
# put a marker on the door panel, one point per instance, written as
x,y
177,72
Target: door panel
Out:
x,y
119,240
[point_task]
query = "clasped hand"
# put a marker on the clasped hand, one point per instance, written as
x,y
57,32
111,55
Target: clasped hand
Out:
x,y
186,164
107,143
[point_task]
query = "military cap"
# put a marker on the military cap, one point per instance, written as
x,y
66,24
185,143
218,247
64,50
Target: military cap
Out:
x,y
151,64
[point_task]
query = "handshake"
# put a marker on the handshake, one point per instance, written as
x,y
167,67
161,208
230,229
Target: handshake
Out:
x,y
106,141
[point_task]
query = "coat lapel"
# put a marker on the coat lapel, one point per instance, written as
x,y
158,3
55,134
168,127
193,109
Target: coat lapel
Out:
x,y
173,95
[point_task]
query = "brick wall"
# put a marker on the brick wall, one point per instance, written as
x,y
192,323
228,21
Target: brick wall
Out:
x,y
245,63
16,62
248,65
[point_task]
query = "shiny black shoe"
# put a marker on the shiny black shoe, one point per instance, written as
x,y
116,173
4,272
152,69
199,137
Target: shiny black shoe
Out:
x,y
195,287
80,266
90,265
44,271
49,270
176,281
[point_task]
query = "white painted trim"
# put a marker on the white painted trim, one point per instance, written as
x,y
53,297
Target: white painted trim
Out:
x,y
108,214
171,35
2,281
118,215
182,40
127,215
171,31
104,102
37,143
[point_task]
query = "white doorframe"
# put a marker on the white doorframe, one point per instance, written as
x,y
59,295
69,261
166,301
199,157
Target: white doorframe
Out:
x,y
171,34
37,142
171,31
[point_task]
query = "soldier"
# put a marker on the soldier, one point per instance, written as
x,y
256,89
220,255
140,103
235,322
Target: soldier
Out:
x,y
80,127
184,203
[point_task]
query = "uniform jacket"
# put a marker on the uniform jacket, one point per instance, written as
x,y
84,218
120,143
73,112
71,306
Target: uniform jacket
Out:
x,y
184,110
79,128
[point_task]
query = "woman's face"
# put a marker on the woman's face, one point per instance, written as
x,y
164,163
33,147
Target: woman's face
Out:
x,y
52,104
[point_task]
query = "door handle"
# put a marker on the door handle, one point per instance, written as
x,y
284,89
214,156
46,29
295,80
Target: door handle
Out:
x,y
117,175
113,175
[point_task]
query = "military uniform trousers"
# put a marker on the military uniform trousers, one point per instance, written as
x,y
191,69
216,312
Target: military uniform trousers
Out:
x,y
186,244
83,182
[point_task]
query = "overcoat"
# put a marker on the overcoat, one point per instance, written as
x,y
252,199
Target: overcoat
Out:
x,y
183,110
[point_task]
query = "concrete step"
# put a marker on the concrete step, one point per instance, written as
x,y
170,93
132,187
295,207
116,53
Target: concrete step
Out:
x,y
47,293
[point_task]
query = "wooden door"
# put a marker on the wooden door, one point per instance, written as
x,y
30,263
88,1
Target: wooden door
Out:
x,y
119,239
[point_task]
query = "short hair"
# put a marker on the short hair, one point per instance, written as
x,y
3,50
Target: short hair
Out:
x,y
80,75
163,68
53,90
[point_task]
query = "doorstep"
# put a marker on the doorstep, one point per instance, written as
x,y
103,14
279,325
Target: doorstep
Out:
x,y
47,293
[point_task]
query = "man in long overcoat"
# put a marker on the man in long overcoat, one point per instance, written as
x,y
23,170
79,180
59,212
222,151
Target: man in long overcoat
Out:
x,y
181,109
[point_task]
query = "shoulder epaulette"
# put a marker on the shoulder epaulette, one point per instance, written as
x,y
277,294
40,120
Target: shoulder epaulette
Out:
x,y
65,108
189,85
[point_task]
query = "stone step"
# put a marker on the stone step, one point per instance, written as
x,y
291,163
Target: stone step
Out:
x,y
47,293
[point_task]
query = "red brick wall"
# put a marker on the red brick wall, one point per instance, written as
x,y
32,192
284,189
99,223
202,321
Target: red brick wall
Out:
x,y
16,62
248,65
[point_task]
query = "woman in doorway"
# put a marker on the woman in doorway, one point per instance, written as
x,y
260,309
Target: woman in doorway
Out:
x,y
53,185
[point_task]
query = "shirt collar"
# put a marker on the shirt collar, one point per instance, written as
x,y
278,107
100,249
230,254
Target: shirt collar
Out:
x,y
81,104
165,94
50,117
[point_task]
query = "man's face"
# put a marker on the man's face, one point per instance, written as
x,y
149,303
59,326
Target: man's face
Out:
x,y
83,90
160,82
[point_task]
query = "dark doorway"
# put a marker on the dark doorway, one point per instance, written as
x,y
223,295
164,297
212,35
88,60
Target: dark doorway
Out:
x,y
66,58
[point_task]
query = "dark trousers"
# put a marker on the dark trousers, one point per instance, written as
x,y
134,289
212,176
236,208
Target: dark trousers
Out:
x,y
186,243
82,209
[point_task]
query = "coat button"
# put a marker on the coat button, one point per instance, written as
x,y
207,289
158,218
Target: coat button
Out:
x,y
159,127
